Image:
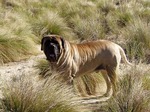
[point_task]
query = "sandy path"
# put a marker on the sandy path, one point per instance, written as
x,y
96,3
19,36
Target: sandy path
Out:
x,y
13,70
19,68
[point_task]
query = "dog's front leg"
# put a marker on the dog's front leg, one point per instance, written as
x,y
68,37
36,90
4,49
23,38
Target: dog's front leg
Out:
x,y
70,78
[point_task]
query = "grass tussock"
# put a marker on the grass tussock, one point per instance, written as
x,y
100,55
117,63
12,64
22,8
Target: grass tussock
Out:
x,y
138,41
25,95
51,23
89,84
84,86
16,38
146,80
14,49
132,95
81,20
44,68
89,28
24,22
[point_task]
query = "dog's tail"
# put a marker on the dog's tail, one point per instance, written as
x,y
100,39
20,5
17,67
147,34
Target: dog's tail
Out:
x,y
123,56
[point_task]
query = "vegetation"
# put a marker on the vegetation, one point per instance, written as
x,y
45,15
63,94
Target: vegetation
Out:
x,y
132,95
24,22
123,21
84,86
26,95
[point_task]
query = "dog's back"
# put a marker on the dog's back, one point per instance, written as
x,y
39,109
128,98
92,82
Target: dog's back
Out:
x,y
96,55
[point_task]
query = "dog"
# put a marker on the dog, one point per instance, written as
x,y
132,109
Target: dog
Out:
x,y
75,60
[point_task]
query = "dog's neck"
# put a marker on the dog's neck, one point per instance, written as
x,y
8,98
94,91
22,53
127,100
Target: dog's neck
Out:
x,y
85,53
68,60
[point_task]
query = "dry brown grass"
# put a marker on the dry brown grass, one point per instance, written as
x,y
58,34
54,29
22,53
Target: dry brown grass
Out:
x,y
25,94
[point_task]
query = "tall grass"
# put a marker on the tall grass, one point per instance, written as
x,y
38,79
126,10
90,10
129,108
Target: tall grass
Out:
x,y
89,28
80,20
89,84
51,23
146,83
131,96
24,22
14,49
43,67
16,38
83,86
138,41
26,95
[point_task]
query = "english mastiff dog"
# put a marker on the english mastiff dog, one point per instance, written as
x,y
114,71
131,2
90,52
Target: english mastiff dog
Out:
x,y
75,60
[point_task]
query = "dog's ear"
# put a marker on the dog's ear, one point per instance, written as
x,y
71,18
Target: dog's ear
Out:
x,y
42,41
63,43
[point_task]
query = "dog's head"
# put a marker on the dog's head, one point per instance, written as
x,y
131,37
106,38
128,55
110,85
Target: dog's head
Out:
x,y
52,45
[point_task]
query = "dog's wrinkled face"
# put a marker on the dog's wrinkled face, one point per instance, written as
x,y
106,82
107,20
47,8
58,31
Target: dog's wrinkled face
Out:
x,y
52,46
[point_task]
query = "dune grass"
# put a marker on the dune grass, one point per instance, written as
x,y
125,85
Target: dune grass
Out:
x,y
26,95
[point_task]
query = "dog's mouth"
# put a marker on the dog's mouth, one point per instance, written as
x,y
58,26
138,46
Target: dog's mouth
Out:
x,y
52,50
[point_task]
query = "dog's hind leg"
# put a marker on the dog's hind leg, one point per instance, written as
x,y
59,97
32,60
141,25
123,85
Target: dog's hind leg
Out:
x,y
108,83
113,78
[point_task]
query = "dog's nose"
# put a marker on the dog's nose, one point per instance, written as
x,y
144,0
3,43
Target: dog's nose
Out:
x,y
52,44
